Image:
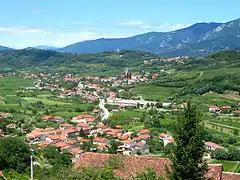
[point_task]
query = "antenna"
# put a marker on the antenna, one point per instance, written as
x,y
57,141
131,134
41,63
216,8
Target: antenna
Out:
x,y
31,168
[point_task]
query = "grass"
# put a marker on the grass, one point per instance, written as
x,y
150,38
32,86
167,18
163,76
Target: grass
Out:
x,y
228,123
8,85
219,128
127,114
228,166
45,101
214,99
154,92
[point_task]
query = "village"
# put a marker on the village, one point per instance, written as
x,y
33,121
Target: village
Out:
x,y
88,132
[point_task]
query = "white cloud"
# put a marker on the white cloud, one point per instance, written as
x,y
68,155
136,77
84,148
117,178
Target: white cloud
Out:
x,y
134,24
170,27
20,29
21,36
152,26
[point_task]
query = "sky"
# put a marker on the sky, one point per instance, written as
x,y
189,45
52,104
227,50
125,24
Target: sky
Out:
x,y
27,23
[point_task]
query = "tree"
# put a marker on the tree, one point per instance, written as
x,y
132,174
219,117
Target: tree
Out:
x,y
187,155
81,133
14,154
155,145
56,158
220,154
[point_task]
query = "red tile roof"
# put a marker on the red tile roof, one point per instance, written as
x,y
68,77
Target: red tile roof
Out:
x,y
44,144
47,118
118,126
61,144
137,164
11,125
124,137
98,139
144,131
226,107
163,135
132,165
76,151
66,125
102,146
214,145
144,137
96,111
82,125
230,176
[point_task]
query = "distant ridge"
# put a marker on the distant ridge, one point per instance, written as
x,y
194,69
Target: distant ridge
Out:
x,y
3,48
198,39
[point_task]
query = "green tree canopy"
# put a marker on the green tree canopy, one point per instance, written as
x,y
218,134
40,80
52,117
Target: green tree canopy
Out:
x,y
14,154
187,155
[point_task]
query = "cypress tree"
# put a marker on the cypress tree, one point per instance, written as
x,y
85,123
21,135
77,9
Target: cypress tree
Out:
x,y
187,154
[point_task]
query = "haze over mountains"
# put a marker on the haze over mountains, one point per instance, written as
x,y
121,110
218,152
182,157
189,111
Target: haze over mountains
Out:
x,y
198,39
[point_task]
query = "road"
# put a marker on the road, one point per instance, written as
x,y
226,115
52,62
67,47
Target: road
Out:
x,y
105,110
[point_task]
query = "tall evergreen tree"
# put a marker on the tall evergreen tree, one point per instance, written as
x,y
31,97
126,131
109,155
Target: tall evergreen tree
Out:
x,y
187,155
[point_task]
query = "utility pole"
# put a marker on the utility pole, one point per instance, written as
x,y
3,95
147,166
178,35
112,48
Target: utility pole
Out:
x,y
31,168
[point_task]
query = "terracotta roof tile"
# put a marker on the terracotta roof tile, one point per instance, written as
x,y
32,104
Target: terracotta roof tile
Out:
x,y
137,164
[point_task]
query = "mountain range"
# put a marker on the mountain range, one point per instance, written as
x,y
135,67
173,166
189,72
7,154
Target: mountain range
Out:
x,y
3,48
198,39
195,40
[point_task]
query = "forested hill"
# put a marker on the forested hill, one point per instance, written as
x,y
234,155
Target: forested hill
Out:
x,y
35,58
221,59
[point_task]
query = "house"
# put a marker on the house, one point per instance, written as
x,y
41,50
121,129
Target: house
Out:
x,y
213,108
212,146
96,111
129,144
56,138
5,115
58,119
98,141
66,126
144,138
60,145
83,126
143,132
71,132
142,148
44,144
11,126
76,152
82,140
102,147
36,137
83,118
53,118
154,76
47,118
166,138
123,137
226,109
134,76
163,136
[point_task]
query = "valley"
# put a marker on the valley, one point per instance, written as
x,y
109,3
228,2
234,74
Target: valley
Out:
x,y
96,104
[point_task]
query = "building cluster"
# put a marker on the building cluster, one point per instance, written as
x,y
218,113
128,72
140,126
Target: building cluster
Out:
x,y
179,59
84,129
225,110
